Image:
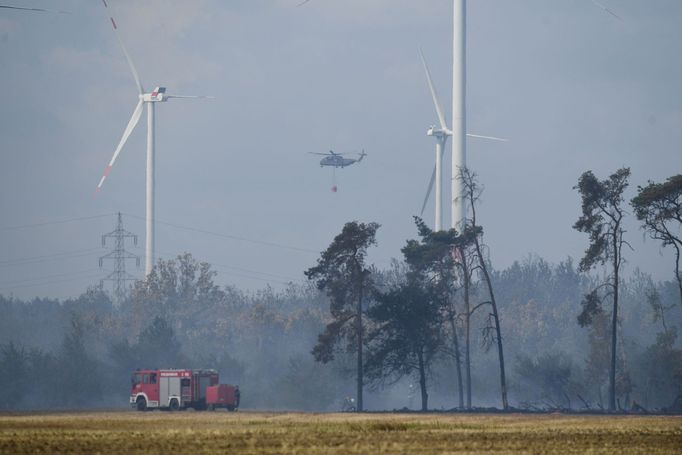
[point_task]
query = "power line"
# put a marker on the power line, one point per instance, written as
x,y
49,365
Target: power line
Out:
x,y
220,268
229,236
174,225
264,276
52,282
51,223
273,275
48,257
45,277
215,265
265,280
230,273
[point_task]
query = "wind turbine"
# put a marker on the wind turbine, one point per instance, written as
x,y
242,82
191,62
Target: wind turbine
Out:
x,y
441,134
158,95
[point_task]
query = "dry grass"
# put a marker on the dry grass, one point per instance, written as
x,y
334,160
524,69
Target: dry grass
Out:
x,y
276,433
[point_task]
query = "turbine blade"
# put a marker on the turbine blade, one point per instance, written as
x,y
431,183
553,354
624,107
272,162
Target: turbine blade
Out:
x,y
428,191
492,138
140,90
607,10
434,95
191,96
137,113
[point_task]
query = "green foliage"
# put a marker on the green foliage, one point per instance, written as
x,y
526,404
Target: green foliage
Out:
x,y
156,347
659,207
308,385
258,339
601,217
44,373
78,378
341,273
431,258
36,322
249,338
597,365
182,287
28,377
408,330
157,344
547,379
540,299
591,306
533,278
14,375
407,326
662,367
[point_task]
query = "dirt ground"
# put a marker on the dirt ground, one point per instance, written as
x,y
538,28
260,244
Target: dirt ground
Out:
x,y
279,433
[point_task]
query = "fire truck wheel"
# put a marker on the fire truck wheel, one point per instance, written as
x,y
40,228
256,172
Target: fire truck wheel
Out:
x,y
141,404
174,405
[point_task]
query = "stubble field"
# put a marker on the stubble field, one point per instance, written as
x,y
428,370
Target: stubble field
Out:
x,y
277,433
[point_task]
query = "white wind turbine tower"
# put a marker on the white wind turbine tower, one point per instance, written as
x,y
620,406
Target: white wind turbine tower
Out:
x,y
459,106
458,110
458,130
158,95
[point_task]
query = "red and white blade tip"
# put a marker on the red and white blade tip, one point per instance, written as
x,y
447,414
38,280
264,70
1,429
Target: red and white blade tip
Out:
x,y
105,174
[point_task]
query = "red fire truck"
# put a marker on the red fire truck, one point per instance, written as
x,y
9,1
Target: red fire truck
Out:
x,y
181,389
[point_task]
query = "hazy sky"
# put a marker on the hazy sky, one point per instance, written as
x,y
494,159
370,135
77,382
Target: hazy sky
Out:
x,y
571,86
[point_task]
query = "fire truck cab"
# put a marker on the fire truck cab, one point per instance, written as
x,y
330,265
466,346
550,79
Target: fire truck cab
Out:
x,y
171,389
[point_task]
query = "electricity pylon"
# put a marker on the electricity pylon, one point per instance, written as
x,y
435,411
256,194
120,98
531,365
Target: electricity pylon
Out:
x,y
119,254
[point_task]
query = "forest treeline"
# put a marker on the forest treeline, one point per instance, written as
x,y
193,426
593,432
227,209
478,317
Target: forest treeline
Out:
x,y
80,352
440,329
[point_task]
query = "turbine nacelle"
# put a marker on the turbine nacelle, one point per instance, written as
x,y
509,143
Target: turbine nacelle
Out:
x,y
438,132
158,95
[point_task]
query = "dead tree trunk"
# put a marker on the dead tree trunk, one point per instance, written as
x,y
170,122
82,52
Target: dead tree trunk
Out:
x,y
458,360
360,378
496,317
467,324
472,193
422,381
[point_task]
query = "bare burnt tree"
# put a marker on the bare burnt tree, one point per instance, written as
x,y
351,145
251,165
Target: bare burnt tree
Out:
x,y
466,262
602,219
493,331
659,207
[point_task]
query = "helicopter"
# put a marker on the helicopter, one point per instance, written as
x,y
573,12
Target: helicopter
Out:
x,y
337,160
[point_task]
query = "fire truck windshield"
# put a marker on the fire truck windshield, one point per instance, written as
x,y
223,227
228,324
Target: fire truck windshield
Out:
x,y
135,379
